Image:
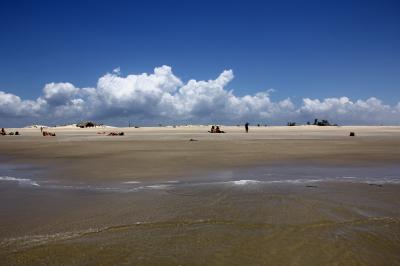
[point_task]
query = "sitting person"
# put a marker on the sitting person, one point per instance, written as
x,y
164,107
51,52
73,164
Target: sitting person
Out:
x,y
212,130
217,130
3,132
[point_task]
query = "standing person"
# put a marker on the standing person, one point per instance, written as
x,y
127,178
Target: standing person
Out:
x,y
246,126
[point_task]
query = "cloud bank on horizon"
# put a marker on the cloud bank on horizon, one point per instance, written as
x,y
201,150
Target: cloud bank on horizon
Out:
x,y
162,97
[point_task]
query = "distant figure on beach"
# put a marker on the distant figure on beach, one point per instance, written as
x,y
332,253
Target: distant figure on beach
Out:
x,y
212,130
246,126
41,129
3,132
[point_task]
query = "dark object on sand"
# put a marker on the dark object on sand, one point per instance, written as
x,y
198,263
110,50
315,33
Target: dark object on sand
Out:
x,y
115,134
291,124
193,140
246,127
352,134
16,133
377,185
48,134
11,133
3,132
311,186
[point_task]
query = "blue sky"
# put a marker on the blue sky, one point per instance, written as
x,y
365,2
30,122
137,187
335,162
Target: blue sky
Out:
x,y
302,49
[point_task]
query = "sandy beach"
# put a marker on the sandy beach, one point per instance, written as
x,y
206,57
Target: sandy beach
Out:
x,y
166,152
301,195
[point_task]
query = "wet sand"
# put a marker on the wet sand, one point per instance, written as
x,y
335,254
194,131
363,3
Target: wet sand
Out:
x,y
275,196
328,223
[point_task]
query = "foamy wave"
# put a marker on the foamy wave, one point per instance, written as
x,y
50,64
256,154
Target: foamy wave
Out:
x,y
110,188
131,182
245,182
21,181
295,181
161,186
348,179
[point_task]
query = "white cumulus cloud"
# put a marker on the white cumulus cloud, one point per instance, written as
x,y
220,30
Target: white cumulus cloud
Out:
x,y
162,97
370,111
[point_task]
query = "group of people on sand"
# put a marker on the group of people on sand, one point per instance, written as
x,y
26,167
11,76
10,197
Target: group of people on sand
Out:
x,y
3,132
215,129
48,134
114,133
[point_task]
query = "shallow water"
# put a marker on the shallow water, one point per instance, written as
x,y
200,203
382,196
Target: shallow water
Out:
x,y
284,174
280,215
